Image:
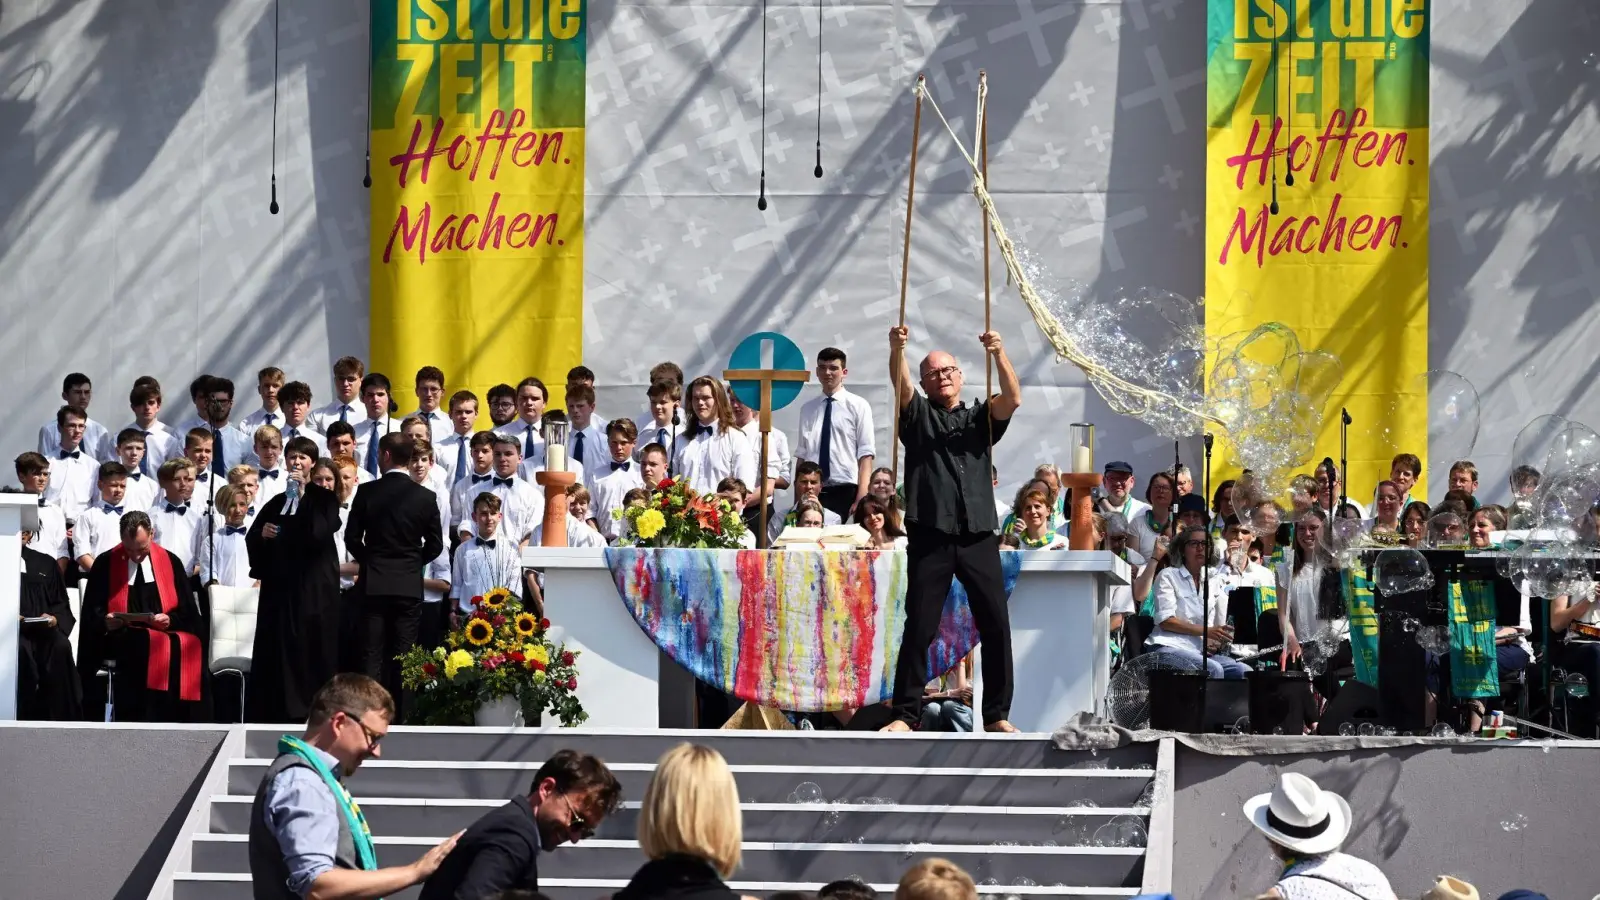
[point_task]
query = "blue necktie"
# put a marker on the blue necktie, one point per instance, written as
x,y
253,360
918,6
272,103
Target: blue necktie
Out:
x,y
180,510
217,464
344,413
661,438
269,473
270,416
291,432
824,449
71,455
620,465
577,447
144,461
372,450
527,444
112,509
461,458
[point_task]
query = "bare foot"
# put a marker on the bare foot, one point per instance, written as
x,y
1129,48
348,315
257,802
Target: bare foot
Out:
x,y
1001,725
896,725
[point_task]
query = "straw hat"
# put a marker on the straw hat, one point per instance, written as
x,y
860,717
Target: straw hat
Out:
x,y
1301,816
1448,888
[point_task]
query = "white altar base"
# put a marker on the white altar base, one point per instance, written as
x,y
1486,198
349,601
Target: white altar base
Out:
x,y
17,512
1060,622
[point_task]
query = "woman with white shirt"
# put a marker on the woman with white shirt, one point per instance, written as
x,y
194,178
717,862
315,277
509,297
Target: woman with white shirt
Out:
x,y
873,515
1309,603
1182,616
712,448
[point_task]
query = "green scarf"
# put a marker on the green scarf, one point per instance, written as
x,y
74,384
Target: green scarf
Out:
x,y
1363,616
1474,667
1266,599
359,832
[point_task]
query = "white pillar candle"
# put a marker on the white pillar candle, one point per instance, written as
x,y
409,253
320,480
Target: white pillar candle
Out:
x,y
1082,460
555,458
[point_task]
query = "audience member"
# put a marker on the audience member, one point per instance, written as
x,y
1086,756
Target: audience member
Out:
x,y
689,829
935,879
1305,826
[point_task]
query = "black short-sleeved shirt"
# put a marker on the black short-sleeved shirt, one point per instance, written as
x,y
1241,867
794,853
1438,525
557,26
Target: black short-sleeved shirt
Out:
x,y
949,478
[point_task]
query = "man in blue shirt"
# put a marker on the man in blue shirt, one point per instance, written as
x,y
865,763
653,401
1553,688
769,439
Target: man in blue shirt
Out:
x,y
308,838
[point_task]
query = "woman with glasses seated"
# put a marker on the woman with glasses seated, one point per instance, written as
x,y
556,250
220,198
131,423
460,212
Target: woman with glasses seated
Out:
x,y
1182,616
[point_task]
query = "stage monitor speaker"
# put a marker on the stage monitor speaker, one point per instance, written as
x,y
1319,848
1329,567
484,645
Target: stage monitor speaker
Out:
x,y
1175,702
1280,702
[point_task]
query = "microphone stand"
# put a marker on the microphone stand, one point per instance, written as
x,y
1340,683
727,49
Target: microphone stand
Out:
x,y
672,439
1344,459
1177,463
211,518
1205,602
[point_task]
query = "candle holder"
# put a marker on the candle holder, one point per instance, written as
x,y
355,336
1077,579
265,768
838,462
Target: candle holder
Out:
x,y
1080,437
555,479
554,429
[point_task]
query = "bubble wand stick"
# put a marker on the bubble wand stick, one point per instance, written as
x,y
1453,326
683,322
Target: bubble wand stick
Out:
x,y
919,92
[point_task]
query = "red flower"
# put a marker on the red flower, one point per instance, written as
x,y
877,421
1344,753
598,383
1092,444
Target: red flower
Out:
x,y
544,624
666,483
566,658
517,657
572,684
491,663
477,600
429,669
536,665
498,621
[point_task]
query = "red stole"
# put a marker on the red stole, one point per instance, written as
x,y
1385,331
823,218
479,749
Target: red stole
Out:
x,y
156,677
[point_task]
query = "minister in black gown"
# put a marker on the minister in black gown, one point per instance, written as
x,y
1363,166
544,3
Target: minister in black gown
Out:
x,y
294,556
161,673
47,681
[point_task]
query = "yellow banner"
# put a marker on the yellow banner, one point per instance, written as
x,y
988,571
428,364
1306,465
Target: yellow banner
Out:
x,y
477,190
1317,203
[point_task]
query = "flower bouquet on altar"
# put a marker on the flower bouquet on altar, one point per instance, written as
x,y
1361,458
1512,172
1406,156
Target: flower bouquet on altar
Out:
x,y
499,665
676,516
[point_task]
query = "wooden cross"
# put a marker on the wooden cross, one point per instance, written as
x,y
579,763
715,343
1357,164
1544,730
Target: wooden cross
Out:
x,y
765,376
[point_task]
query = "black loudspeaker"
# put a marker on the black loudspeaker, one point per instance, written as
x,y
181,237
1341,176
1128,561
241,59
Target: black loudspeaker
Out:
x,y
1175,702
1355,703
1280,702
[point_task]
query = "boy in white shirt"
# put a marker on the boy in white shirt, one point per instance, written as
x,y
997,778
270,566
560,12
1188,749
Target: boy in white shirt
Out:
x,y
433,477
270,474
197,448
199,396
586,438
480,471
160,442
76,391
486,562
453,452
342,442
99,528
579,532
502,400
375,399
294,399
223,558
347,374
653,465
140,490
423,472
246,479
33,472
608,483
269,382
173,518
668,371
659,427
522,504
584,376
836,432
736,492
532,396
430,392
73,471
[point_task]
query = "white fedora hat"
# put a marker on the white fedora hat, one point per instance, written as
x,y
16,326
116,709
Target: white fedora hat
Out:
x,y
1301,816
1450,888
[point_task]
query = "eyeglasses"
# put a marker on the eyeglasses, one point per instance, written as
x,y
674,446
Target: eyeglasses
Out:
x,y
941,373
575,822
373,738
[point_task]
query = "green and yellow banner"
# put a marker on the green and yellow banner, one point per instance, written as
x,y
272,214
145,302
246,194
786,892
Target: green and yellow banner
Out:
x,y
477,132
1321,107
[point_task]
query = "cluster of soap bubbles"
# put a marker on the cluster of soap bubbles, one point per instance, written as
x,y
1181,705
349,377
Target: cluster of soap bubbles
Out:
x,y
1269,393
1555,486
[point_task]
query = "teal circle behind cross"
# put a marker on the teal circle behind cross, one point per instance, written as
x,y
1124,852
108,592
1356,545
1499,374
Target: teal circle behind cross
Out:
x,y
785,355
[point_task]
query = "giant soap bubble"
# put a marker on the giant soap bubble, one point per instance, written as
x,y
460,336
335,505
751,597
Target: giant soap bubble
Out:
x,y
1402,570
1453,417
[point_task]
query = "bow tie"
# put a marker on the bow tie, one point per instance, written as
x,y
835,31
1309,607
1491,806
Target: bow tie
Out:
x,y
112,509
502,482
483,543
180,510
480,479
233,529
41,502
621,466
135,474
344,506
250,511
697,429
269,473
74,454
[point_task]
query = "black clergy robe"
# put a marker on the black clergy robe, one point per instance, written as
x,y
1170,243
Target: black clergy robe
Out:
x,y
47,681
161,676
297,622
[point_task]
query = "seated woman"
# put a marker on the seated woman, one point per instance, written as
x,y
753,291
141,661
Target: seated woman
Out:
x,y
1385,511
871,514
1012,523
1159,492
1037,533
947,702
1576,625
1513,653
1414,522
1183,616
689,828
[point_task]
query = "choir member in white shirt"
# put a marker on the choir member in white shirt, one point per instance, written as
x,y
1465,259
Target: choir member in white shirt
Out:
x,y
502,400
50,538
198,396
222,558
160,442
343,471
712,449
480,471
74,470
665,421
586,437
294,399
668,371
430,393
197,449
245,478
99,528
736,493
521,504
486,562
342,442
583,375
453,452
836,432
269,382
230,445
433,477
268,460
425,473
173,518
610,482
525,428
140,490
347,374
76,392
371,430
780,464
807,486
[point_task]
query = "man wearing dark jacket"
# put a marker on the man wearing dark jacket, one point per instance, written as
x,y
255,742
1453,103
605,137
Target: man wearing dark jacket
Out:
x,y
392,533
571,794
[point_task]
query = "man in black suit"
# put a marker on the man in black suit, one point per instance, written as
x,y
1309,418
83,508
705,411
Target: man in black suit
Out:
x,y
392,533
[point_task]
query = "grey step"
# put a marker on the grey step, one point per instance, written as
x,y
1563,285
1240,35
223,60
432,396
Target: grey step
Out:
x,y
806,862
191,886
985,787
739,748
761,822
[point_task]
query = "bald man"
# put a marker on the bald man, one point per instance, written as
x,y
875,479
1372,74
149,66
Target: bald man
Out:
x,y
950,520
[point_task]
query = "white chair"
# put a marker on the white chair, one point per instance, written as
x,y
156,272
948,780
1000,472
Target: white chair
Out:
x,y
233,633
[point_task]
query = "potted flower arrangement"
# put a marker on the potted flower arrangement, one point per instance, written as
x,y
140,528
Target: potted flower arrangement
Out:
x,y
498,667
677,516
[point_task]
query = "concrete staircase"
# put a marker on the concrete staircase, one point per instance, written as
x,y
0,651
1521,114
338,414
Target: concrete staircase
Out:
x,y
1025,819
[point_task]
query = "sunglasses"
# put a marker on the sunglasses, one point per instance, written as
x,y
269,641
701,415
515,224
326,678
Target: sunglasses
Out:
x,y
576,822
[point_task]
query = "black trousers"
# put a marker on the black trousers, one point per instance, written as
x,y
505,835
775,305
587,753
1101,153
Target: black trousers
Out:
x,y
840,499
933,560
391,628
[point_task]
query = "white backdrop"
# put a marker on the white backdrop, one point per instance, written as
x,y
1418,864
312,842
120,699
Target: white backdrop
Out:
x,y
135,141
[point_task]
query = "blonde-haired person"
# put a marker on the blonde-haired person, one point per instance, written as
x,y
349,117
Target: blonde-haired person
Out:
x,y
689,827
935,879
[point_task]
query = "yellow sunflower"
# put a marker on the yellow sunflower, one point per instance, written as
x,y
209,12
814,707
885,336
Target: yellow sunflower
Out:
x,y
527,624
496,598
479,632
